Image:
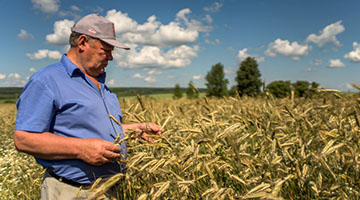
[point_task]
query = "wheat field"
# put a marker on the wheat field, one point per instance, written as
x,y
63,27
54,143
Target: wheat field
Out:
x,y
229,148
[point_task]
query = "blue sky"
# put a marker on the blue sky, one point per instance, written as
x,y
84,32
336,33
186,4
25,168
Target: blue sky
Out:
x,y
174,42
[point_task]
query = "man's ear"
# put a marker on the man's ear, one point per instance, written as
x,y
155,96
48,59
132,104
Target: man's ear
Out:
x,y
82,40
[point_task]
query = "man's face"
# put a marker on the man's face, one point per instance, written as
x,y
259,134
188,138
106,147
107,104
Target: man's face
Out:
x,y
97,55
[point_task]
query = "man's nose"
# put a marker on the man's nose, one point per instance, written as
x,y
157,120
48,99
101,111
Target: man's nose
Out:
x,y
109,56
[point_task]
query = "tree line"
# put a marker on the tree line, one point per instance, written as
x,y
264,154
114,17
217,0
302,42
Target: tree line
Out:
x,y
248,83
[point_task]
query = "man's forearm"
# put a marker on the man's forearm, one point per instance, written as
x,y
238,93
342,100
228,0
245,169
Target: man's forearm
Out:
x,y
47,145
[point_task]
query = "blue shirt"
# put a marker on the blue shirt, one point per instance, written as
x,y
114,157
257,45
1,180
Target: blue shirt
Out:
x,y
62,100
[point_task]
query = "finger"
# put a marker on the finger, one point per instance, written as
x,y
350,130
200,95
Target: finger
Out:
x,y
160,132
113,148
111,155
154,127
145,137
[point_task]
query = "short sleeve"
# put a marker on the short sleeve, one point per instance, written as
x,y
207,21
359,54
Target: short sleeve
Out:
x,y
35,108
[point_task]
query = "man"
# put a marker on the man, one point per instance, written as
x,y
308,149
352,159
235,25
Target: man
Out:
x,y
67,117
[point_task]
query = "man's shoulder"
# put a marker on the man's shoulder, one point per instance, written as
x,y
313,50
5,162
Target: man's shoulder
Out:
x,y
49,71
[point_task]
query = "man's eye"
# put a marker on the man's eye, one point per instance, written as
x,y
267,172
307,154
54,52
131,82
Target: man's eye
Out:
x,y
106,51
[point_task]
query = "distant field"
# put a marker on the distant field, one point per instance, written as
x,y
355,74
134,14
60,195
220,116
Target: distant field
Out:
x,y
11,94
160,96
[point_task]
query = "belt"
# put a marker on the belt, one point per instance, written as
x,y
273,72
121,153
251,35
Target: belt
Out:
x,y
65,180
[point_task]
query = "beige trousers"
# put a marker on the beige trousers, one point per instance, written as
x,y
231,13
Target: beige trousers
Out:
x,y
53,189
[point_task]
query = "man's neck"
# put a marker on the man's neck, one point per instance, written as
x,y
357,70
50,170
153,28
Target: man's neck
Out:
x,y
74,56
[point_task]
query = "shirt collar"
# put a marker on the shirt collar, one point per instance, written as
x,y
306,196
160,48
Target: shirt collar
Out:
x,y
72,69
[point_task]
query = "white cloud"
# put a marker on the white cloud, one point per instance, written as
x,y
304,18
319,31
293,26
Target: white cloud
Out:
x,y
178,32
171,77
111,82
197,77
14,76
215,7
62,31
216,42
153,72
44,53
32,70
310,69
25,35
349,86
11,76
70,13
242,55
346,86
137,75
150,56
208,18
12,80
334,63
191,24
122,22
157,45
174,35
354,55
98,9
316,62
327,35
75,8
150,79
66,48
294,50
229,71
47,6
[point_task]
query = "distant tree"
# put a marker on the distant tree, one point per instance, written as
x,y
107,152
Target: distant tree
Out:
x,y
248,78
314,85
300,88
177,92
216,82
279,89
192,91
232,91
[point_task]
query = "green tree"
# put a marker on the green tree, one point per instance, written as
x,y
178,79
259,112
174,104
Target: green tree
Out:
x,y
177,92
248,78
232,91
300,88
314,85
279,89
216,82
192,91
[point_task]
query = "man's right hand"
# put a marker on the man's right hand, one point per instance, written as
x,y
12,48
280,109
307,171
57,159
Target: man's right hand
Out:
x,y
98,152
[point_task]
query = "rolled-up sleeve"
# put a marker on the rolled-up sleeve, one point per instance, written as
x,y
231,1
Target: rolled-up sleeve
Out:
x,y
35,108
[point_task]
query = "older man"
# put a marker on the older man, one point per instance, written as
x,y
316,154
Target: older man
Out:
x,y
63,114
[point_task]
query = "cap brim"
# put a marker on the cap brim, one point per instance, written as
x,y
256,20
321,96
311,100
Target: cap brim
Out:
x,y
115,43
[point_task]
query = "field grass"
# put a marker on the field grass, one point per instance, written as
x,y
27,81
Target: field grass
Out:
x,y
20,176
230,148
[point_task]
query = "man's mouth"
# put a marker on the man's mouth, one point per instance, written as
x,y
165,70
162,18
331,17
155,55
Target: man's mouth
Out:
x,y
104,64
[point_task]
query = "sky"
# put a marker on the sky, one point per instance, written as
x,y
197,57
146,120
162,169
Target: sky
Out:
x,y
175,42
